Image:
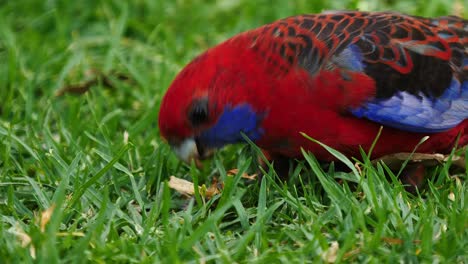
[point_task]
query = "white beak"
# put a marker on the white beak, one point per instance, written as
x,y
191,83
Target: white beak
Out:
x,y
187,150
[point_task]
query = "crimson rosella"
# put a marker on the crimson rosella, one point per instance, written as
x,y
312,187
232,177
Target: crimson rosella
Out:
x,y
337,76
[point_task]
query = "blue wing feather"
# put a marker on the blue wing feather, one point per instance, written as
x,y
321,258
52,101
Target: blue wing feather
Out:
x,y
419,113
410,111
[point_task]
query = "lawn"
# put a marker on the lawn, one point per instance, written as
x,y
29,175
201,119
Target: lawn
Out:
x,y
83,171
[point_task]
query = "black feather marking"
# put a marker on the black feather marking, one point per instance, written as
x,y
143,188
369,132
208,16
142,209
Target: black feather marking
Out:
x,y
198,112
307,24
430,75
291,32
416,34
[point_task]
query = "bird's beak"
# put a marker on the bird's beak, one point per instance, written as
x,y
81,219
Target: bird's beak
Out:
x,y
191,149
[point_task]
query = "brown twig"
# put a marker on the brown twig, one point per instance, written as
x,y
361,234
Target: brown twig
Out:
x,y
81,88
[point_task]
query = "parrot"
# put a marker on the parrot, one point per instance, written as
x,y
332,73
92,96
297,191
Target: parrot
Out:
x,y
340,77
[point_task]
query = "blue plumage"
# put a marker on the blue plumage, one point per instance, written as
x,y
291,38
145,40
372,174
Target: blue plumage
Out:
x,y
350,58
418,106
241,118
420,113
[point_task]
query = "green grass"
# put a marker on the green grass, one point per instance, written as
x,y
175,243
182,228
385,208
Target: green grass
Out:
x,y
98,158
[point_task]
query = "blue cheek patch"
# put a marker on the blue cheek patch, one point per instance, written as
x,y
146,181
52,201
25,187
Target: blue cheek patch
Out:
x,y
228,128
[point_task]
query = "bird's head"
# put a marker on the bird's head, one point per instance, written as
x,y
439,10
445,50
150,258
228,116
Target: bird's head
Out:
x,y
211,102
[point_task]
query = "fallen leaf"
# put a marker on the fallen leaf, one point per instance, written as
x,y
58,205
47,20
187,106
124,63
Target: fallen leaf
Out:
x,y
81,88
244,175
214,188
45,217
397,241
182,186
392,241
76,234
24,239
451,196
329,255
351,253
187,188
394,161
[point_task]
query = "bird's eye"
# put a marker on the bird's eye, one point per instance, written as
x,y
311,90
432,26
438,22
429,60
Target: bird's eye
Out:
x,y
198,113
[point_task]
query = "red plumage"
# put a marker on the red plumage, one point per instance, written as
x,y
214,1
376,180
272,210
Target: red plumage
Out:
x,y
307,73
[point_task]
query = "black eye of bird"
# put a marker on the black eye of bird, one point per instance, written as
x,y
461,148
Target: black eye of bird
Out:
x,y
198,113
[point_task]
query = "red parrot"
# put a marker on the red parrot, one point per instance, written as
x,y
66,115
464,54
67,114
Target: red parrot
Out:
x,y
337,76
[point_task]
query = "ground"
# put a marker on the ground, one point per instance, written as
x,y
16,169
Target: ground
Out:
x,y
83,171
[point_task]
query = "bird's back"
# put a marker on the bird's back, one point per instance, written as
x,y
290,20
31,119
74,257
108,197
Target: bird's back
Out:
x,y
419,65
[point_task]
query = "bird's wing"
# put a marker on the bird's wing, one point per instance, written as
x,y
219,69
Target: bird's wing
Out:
x,y
419,65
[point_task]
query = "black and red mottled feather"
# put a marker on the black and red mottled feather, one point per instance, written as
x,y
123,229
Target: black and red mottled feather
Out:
x,y
337,76
389,42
